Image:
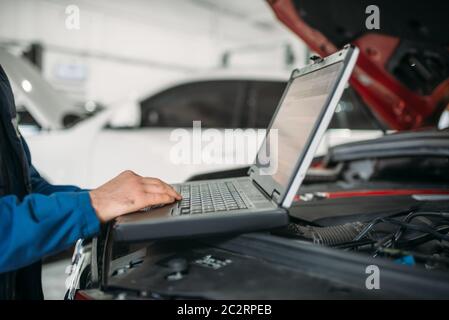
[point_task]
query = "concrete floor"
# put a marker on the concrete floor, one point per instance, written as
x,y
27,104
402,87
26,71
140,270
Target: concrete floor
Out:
x,y
53,279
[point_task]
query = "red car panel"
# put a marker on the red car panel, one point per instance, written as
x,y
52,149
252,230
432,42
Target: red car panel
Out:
x,y
398,106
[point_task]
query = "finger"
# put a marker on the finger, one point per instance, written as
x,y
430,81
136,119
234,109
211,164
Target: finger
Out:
x,y
159,198
157,181
129,173
178,195
158,188
169,189
154,188
173,193
172,187
165,189
152,180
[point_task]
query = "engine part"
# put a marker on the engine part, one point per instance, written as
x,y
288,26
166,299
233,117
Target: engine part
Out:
x,y
328,236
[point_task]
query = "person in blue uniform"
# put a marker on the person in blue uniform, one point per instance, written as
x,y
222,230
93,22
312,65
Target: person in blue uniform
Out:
x,y
39,219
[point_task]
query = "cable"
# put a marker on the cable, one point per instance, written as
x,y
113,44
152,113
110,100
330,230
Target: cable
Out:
x,y
382,245
413,215
367,229
416,227
418,239
389,240
355,244
369,226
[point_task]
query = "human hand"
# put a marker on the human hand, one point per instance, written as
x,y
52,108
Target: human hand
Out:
x,y
129,192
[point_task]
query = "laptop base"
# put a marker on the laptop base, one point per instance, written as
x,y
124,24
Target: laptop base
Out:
x,y
167,222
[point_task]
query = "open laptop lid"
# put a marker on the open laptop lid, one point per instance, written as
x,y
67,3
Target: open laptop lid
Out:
x,y
300,120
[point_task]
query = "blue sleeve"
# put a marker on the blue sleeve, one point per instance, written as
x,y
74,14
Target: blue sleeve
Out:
x,y
40,225
48,220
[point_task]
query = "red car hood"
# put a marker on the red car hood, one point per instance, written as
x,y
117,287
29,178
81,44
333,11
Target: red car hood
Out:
x,y
403,69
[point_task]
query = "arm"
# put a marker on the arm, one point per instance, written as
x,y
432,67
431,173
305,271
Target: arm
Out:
x,y
50,220
40,225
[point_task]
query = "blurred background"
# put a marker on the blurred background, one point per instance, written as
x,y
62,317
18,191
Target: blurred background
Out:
x,y
100,85
134,57
153,66
123,49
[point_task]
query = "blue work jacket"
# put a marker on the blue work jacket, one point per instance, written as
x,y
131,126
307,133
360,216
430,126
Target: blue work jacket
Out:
x,y
44,219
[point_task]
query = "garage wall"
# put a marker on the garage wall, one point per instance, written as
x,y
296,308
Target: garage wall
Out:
x,y
123,48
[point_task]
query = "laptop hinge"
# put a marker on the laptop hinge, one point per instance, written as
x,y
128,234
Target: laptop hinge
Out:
x,y
275,196
258,186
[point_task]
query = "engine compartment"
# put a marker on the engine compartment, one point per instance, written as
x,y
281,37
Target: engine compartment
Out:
x,y
385,198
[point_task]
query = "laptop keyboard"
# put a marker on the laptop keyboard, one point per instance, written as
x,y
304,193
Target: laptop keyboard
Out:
x,y
210,197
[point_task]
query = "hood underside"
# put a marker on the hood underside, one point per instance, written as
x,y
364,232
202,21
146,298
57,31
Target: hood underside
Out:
x,y
403,69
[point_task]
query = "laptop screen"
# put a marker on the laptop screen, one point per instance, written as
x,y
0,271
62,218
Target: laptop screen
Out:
x,y
294,122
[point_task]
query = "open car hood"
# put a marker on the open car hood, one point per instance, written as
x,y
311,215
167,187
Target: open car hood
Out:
x,y
403,68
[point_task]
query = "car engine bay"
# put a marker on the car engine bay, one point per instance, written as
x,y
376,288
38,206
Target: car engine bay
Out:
x,y
403,200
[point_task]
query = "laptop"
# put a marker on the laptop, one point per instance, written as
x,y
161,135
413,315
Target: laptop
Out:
x,y
260,200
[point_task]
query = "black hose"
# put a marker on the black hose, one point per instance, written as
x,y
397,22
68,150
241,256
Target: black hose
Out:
x,y
413,215
328,236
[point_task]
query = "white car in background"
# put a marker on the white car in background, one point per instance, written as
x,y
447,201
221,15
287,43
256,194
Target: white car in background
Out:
x,y
139,135
39,105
